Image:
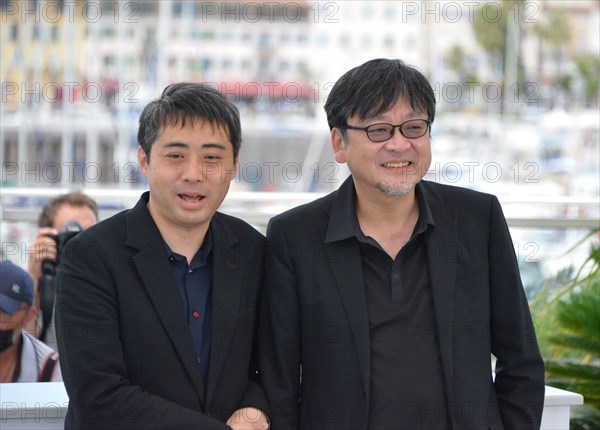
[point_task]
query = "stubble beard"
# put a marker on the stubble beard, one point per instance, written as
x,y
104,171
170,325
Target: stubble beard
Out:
x,y
395,190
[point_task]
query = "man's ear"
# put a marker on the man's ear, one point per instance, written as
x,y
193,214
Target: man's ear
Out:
x,y
30,315
338,145
143,161
236,165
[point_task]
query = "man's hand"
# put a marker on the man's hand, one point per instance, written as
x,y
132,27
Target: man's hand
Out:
x,y
42,248
248,419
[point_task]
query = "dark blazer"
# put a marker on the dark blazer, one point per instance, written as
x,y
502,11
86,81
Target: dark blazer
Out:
x,y
314,314
126,351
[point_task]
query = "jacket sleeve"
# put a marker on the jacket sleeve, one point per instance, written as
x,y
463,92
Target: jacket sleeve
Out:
x,y
519,381
254,396
91,353
279,333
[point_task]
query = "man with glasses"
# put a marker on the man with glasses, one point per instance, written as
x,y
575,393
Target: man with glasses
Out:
x,y
386,300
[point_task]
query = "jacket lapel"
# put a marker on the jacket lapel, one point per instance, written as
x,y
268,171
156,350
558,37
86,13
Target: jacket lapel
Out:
x,y
228,269
153,267
442,271
344,257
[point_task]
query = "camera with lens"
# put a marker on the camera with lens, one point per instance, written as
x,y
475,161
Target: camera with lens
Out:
x,y
65,234
47,284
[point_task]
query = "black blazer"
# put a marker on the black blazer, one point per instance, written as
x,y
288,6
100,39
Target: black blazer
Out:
x,y
315,315
126,352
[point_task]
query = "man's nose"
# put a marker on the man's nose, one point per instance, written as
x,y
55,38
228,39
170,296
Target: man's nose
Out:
x,y
194,171
398,142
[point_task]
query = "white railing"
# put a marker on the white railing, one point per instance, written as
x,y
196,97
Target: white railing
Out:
x,y
44,406
24,204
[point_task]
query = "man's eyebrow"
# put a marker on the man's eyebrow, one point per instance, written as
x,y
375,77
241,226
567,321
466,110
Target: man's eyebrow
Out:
x,y
176,144
209,145
214,145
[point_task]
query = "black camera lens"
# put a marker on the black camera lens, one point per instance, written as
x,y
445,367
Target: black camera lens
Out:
x,y
65,234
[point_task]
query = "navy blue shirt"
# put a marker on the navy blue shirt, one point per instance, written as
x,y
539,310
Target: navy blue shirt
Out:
x,y
194,285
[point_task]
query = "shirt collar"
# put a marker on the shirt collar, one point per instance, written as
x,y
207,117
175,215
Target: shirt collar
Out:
x,y
343,223
201,256
425,216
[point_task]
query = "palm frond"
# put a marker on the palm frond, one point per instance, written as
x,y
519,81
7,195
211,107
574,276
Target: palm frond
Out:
x,y
584,418
573,370
573,333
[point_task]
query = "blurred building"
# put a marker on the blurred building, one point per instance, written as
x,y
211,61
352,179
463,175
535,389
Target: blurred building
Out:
x,y
75,74
559,37
66,62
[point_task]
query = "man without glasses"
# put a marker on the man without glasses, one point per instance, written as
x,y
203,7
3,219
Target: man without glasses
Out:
x,y
156,305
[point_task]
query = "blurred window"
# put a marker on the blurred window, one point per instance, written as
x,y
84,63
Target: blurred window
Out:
x,y
388,42
366,42
344,41
14,32
322,40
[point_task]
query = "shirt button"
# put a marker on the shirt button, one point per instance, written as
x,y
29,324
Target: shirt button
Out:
x,y
195,314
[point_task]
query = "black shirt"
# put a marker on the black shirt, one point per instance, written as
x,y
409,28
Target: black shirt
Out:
x,y
194,285
407,383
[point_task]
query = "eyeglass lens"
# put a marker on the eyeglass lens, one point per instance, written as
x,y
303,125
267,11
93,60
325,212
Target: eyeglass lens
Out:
x,y
411,129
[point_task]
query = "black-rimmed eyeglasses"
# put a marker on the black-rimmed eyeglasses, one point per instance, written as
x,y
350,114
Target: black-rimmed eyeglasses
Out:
x,y
381,132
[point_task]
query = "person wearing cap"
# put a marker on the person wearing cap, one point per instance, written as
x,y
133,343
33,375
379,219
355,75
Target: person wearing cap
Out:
x,y
23,358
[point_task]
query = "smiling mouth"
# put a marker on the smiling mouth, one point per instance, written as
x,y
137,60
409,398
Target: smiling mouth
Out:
x,y
191,197
396,165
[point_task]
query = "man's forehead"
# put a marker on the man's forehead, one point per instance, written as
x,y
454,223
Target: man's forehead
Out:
x,y
176,124
410,111
68,212
182,121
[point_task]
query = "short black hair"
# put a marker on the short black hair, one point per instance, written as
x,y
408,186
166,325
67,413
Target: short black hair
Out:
x,y
187,101
373,87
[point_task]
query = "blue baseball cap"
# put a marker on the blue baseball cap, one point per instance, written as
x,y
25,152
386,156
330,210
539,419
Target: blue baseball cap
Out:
x,y
16,288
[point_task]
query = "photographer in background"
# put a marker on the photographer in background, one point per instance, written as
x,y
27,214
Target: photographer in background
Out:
x,y
61,218
23,358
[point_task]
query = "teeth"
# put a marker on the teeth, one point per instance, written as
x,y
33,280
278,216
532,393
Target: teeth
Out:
x,y
390,165
190,198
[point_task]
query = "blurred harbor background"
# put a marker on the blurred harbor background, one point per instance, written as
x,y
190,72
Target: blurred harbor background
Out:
x,y
516,84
